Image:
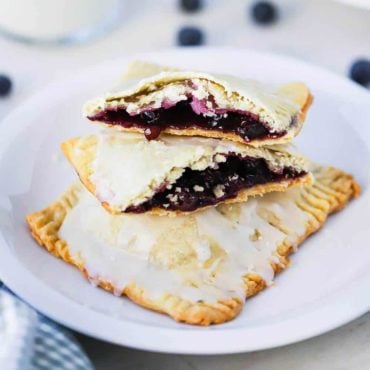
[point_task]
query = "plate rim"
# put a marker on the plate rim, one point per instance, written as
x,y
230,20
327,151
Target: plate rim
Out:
x,y
214,334
209,340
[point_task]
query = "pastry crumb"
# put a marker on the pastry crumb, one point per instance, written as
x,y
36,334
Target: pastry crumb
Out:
x,y
220,158
255,236
173,198
218,191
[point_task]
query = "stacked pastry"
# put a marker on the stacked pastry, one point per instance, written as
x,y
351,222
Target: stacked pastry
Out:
x,y
191,198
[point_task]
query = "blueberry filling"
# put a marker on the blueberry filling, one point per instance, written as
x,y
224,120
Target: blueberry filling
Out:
x,y
196,189
182,116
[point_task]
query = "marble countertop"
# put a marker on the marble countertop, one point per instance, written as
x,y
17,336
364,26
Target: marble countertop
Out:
x,y
324,32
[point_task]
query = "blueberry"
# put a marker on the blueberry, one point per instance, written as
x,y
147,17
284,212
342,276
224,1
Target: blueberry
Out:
x,y
5,85
264,12
149,116
190,36
360,71
191,6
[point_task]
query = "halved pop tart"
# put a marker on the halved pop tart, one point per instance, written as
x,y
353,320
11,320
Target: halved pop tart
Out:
x,y
155,99
129,174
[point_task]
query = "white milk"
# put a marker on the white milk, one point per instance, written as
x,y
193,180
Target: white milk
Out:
x,y
49,20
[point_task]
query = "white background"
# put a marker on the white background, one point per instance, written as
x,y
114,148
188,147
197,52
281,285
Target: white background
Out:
x,y
323,32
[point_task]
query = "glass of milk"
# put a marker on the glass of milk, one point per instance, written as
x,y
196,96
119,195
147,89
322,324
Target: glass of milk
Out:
x,y
58,21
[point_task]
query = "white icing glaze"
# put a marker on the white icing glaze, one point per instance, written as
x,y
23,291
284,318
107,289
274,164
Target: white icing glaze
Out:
x,y
203,250
127,169
291,218
244,255
206,261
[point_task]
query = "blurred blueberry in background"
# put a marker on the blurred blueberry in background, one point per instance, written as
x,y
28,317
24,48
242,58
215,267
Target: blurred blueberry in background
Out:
x,y
360,71
190,36
191,6
264,12
5,85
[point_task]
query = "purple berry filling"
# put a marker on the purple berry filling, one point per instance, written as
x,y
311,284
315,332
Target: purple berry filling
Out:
x,y
196,189
189,114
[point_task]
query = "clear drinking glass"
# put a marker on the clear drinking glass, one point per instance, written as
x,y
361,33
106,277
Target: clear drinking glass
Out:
x,y
58,21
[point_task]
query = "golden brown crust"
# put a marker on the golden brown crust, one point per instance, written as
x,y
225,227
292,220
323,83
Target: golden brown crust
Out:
x,y
82,163
139,69
88,146
305,107
330,192
228,136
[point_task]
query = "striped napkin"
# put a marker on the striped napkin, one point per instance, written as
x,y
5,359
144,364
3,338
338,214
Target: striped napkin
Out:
x,y
30,341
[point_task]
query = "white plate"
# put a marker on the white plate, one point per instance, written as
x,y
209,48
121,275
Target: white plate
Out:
x,y
327,285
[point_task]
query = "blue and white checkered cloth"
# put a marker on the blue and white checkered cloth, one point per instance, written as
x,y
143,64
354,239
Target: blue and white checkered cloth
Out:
x,y
30,341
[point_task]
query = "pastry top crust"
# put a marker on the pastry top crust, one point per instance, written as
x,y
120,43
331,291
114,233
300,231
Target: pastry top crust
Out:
x,y
124,169
147,85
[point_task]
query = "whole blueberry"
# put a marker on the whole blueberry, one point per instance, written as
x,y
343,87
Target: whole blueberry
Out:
x,y
264,12
190,36
360,71
5,85
191,6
